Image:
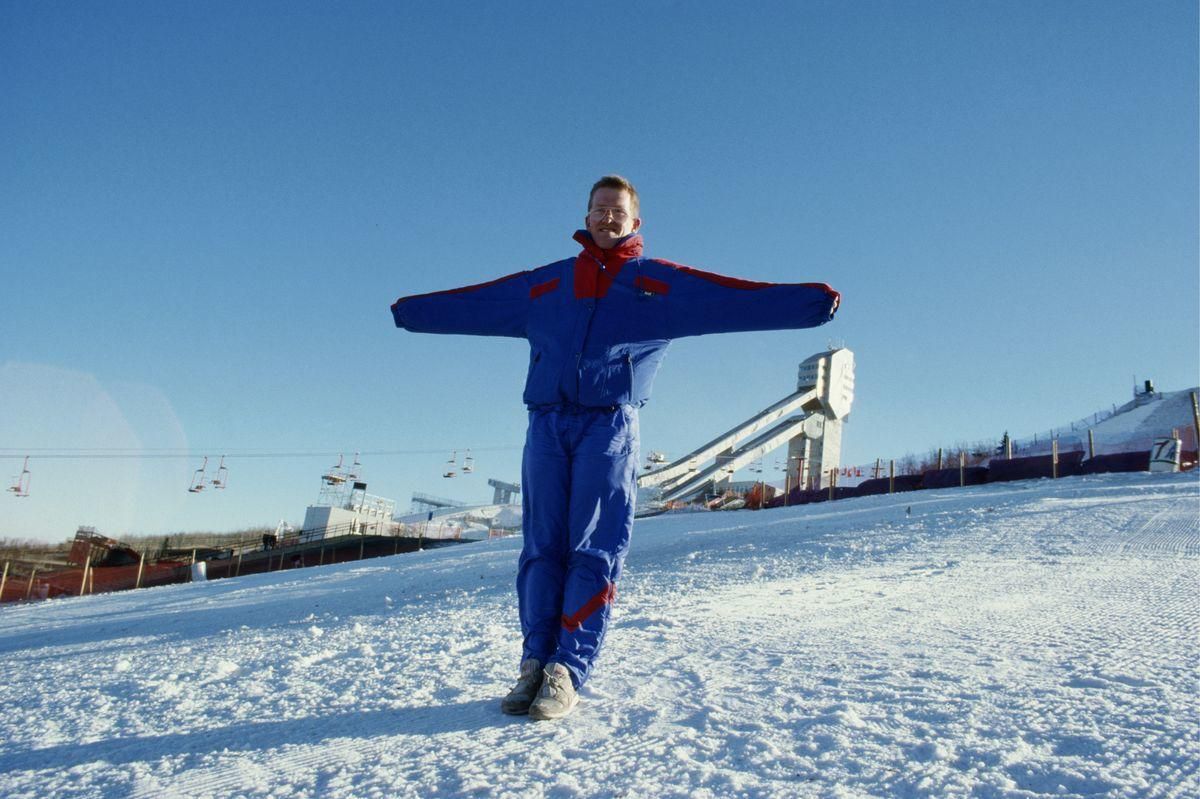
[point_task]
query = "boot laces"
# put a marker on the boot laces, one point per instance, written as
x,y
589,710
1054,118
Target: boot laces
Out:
x,y
557,682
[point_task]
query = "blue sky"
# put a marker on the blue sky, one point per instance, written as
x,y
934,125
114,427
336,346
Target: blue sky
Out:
x,y
209,207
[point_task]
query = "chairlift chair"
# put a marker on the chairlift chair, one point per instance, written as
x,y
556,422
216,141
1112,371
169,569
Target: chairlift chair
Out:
x,y
20,486
198,478
468,463
222,477
335,476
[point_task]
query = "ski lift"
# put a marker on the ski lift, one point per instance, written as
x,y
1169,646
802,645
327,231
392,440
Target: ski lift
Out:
x,y
451,465
20,486
335,476
198,478
355,468
468,463
222,477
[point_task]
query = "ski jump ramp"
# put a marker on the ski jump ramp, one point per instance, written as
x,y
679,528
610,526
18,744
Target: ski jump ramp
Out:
x,y
808,420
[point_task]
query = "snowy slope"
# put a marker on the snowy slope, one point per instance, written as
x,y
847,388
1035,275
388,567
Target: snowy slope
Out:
x,y
1135,426
1013,640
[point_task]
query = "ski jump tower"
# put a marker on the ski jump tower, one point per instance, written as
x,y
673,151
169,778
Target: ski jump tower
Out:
x,y
809,421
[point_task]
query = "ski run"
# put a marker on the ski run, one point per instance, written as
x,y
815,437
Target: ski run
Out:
x,y
1027,639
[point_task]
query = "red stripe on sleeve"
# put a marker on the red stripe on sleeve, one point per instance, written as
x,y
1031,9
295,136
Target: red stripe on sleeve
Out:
x,y
543,288
462,289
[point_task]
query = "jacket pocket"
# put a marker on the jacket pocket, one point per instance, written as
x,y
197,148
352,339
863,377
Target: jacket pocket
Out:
x,y
539,389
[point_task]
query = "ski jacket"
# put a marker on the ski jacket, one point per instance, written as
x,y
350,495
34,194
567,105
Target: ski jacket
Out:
x,y
599,324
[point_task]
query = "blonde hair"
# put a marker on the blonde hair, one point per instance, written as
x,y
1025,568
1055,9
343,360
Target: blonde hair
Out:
x,y
616,182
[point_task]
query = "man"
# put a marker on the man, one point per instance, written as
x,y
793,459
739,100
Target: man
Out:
x,y
598,325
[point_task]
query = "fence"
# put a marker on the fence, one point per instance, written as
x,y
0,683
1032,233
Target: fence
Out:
x,y
224,559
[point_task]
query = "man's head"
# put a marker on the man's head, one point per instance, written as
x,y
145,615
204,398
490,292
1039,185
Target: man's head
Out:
x,y
612,210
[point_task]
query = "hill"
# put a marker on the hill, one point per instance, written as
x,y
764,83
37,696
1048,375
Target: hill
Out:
x,y
1008,640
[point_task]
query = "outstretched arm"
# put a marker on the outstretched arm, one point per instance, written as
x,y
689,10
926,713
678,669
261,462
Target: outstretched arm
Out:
x,y
497,308
700,302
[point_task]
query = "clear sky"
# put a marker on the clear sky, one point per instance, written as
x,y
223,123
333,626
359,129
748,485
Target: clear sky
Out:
x,y
207,208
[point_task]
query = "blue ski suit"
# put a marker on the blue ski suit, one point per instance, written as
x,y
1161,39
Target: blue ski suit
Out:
x,y
598,326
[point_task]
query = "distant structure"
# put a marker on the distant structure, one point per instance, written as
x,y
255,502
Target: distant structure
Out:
x,y
818,448
504,492
809,421
423,503
345,508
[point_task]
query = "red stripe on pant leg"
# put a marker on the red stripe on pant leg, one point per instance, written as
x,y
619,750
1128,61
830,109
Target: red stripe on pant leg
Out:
x,y
606,596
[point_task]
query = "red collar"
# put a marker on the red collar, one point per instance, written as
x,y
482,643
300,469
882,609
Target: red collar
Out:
x,y
590,279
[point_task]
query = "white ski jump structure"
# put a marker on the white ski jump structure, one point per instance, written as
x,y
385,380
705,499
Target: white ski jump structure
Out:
x,y
809,421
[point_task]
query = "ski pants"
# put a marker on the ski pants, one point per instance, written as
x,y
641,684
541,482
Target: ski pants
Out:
x,y
579,486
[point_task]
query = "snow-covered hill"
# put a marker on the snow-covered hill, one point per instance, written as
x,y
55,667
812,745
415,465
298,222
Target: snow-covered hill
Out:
x,y
1133,427
1011,640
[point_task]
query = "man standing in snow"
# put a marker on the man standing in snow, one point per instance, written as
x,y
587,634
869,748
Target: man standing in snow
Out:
x,y
598,326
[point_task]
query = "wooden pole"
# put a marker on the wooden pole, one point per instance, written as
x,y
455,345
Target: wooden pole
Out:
x,y
878,468
29,585
787,484
237,571
962,469
141,567
1007,447
1091,444
939,459
83,577
321,561
1054,458
892,476
362,542
92,581
3,580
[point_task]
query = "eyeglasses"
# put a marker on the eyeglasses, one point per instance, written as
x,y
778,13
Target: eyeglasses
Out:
x,y
618,214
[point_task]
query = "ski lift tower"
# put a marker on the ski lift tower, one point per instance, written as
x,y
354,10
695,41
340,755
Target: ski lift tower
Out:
x,y
818,448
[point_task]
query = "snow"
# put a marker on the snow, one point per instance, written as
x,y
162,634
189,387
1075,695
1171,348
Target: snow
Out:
x,y
1013,640
1134,427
